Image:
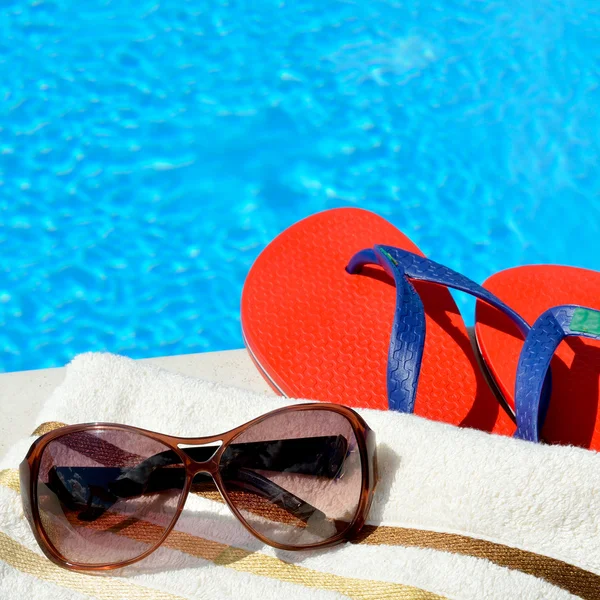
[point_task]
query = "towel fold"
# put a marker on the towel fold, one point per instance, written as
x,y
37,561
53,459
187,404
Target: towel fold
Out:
x,y
457,514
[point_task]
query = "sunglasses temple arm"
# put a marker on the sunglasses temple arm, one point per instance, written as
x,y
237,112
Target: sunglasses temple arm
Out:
x,y
321,456
318,456
173,478
253,482
244,479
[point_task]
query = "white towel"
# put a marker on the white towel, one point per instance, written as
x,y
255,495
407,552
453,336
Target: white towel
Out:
x,y
504,515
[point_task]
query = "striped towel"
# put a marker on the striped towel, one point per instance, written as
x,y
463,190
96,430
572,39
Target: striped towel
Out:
x,y
457,513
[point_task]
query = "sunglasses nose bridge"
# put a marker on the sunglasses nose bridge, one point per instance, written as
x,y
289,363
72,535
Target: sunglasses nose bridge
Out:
x,y
210,467
202,457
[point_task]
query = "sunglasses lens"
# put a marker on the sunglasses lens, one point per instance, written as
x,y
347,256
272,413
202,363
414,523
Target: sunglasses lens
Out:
x,y
107,496
296,477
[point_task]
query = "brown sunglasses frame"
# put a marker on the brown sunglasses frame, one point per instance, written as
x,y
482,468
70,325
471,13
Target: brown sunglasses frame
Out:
x,y
29,471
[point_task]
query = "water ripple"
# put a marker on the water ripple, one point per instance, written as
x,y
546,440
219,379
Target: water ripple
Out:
x,y
148,151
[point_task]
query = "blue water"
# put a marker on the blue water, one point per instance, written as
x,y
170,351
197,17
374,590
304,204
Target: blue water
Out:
x,y
149,151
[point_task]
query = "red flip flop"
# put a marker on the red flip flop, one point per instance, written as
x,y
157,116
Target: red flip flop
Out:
x,y
573,414
316,331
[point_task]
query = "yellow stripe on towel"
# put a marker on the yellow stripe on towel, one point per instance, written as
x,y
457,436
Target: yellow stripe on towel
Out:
x,y
220,554
47,427
10,478
274,568
105,588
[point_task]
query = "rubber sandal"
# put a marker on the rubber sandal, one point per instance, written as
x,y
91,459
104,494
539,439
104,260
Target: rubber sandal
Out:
x,y
573,413
317,331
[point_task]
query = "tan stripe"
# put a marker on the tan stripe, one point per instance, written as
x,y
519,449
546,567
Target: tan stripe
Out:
x,y
10,478
259,564
575,580
105,588
234,558
274,568
47,427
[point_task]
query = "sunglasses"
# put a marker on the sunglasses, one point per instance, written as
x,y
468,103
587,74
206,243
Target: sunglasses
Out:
x,y
102,495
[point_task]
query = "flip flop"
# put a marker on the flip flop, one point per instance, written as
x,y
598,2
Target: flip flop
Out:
x,y
381,338
572,413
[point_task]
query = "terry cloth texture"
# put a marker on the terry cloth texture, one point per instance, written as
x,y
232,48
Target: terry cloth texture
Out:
x,y
457,513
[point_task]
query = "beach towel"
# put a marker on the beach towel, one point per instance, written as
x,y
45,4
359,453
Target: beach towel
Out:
x,y
457,513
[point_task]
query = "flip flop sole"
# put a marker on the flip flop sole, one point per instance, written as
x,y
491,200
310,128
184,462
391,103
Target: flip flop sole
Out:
x,y
317,332
574,415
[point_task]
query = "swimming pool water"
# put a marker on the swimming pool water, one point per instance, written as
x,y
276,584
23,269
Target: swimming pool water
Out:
x,y
148,151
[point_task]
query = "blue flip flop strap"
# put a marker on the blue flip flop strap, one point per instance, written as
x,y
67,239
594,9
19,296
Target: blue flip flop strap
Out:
x,y
406,348
408,331
536,355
